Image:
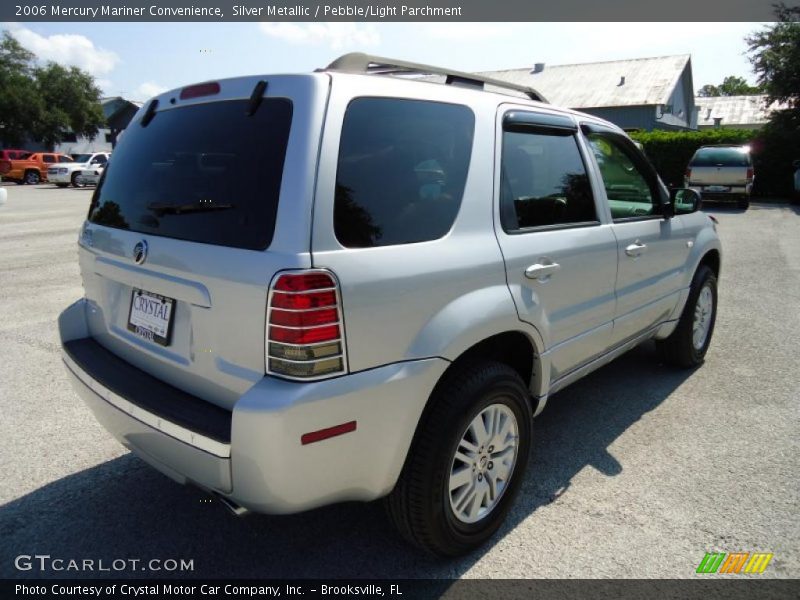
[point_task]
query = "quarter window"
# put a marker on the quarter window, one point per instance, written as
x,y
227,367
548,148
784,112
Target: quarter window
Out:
x,y
402,169
543,181
628,191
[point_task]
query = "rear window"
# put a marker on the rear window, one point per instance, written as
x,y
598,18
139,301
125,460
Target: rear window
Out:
x,y
204,173
402,169
721,157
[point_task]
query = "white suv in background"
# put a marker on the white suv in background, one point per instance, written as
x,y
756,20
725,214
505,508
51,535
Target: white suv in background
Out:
x,y
63,174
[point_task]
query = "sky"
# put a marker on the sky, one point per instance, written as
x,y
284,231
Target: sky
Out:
x,y
139,60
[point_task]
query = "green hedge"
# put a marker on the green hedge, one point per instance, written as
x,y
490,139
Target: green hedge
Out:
x,y
772,148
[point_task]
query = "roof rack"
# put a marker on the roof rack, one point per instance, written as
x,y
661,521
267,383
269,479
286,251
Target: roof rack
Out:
x,y
358,62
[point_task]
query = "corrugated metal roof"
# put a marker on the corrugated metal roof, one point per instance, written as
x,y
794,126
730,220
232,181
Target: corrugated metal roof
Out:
x,y
647,81
734,110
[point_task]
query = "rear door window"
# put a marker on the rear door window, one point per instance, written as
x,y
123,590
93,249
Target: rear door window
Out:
x,y
205,173
402,169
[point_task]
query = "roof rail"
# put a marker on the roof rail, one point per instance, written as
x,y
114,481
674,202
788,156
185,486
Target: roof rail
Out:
x,y
357,62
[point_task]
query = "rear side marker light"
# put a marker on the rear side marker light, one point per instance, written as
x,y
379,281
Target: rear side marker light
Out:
x,y
324,434
201,89
750,174
305,331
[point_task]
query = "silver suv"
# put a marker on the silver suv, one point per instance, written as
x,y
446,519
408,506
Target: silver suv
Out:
x,y
722,173
348,285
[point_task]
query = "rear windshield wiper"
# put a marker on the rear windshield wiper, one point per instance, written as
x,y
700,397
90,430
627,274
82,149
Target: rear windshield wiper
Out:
x,y
162,208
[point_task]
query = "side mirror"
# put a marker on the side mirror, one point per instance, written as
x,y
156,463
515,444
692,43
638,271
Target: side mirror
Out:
x,y
684,201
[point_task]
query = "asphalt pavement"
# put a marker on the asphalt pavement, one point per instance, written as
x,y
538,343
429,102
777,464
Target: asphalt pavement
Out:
x,y
637,470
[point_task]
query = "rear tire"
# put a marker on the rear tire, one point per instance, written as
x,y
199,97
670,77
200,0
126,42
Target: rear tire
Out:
x,y
32,177
62,185
467,460
743,203
686,347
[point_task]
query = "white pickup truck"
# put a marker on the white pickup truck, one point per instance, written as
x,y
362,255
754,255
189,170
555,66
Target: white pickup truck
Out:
x,y
64,174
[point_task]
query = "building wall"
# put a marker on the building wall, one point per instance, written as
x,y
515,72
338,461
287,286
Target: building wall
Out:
x,y
83,144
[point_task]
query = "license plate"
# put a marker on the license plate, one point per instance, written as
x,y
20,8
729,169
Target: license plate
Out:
x,y
717,188
150,316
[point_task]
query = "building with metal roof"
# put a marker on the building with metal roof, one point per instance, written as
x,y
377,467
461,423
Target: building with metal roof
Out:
x,y
734,112
640,93
118,113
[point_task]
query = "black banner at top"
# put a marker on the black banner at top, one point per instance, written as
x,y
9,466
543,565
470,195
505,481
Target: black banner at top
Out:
x,y
387,10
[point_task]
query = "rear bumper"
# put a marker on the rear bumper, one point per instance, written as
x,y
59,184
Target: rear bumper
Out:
x,y
732,193
254,455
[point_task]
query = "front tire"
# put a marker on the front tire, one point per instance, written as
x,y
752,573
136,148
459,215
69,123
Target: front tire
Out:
x,y
687,346
467,460
77,180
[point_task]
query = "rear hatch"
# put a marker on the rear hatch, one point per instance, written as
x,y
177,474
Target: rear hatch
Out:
x,y
208,196
721,167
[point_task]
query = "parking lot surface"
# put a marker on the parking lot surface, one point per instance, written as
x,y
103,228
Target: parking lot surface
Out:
x,y
638,470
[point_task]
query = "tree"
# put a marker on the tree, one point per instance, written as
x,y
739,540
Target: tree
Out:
x,y
72,100
730,86
775,56
45,102
20,105
708,91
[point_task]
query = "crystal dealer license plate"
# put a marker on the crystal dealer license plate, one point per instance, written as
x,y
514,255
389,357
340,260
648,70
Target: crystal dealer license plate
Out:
x,y
150,316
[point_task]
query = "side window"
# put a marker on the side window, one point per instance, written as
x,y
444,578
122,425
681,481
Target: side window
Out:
x,y
402,169
48,158
629,194
543,181
100,159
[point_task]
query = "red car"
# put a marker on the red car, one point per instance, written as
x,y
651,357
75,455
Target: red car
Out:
x,y
13,154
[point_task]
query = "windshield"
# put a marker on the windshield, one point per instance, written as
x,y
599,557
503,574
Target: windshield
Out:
x,y
718,157
205,173
81,158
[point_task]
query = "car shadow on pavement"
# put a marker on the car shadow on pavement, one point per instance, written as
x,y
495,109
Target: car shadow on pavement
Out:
x,y
122,509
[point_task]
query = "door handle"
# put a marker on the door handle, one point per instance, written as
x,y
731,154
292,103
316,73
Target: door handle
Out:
x,y
541,271
637,248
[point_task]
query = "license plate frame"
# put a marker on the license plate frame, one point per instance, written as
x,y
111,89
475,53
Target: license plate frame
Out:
x,y
718,189
149,323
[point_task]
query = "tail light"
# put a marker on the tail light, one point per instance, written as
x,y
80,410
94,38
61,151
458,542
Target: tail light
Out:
x,y
688,173
305,331
750,174
5,166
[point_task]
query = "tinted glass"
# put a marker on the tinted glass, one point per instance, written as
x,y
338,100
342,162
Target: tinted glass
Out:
x,y
81,158
721,157
48,158
205,173
402,169
629,194
543,181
